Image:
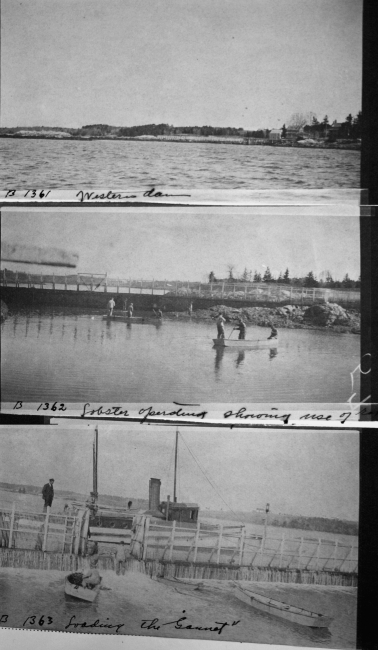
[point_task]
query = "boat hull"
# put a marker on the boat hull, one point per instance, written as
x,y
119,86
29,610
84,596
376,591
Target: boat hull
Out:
x,y
281,610
245,344
132,319
81,593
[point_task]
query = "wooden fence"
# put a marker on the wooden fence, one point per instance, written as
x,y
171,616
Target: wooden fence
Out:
x,y
247,291
43,531
232,545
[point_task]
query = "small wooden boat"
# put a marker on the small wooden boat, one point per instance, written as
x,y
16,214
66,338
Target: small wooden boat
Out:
x,y
277,608
82,593
181,585
125,319
256,344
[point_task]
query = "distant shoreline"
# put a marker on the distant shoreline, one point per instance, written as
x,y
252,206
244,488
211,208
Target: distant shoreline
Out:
x,y
352,146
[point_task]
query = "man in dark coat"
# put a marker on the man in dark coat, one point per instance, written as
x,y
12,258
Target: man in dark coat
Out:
x,y
48,494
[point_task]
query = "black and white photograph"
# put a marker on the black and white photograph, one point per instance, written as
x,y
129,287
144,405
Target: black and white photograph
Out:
x,y
189,305
181,532
210,94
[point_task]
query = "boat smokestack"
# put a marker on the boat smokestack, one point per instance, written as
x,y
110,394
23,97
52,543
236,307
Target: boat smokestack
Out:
x,y
154,494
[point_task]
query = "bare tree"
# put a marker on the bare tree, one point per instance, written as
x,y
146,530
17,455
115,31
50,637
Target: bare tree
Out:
x,y
231,269
299,120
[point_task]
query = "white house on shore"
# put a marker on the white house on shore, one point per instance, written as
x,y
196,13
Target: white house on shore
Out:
x,y
275,134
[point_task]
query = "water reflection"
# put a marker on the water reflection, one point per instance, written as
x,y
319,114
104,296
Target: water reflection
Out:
x,y
173,362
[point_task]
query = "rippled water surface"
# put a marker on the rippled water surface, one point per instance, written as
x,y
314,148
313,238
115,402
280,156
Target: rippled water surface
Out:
x,y
72,357
64,164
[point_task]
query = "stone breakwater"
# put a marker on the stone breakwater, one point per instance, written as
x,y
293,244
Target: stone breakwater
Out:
x,y
327,316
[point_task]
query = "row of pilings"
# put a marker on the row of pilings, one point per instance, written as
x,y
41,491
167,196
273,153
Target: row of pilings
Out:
x,y
18,558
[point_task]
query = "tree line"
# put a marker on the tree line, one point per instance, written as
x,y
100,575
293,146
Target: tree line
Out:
x,y
308,280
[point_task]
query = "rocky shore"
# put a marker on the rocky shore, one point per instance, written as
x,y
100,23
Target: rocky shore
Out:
x,y
325,316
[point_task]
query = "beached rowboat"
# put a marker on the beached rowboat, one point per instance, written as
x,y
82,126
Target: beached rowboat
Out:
x,y
277,608
257,344
82,593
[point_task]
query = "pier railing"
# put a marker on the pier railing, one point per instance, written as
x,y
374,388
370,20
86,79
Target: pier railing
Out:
x,y
45,532
234,546
246,291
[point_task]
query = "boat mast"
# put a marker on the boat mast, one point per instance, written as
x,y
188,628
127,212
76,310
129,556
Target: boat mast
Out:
x,y
175,474
95,464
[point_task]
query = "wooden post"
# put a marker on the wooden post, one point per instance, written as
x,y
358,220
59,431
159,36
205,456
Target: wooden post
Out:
x,y
291,293
302,294
219,543
141,286
92,282
145,537
282,546
300,553
318,554
72,534
313,295
29,280
77,282
16,279
167,511
46,529
153,286
129,286
172,540
242,540
106,283
64,534
4,278
65,283
53,281
11,525
222,294
41,281
196,541
176,287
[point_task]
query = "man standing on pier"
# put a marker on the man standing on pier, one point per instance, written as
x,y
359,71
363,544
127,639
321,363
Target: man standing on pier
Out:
x,y
48,494
111,305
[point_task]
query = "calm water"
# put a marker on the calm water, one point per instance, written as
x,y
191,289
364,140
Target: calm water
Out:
x,y
72,357
66,165
134,597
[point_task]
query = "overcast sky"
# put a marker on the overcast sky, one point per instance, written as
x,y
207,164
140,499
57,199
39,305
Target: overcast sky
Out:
x,y
187,246
299,472
242,63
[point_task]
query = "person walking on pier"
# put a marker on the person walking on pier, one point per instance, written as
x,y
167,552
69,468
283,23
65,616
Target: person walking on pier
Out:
x,y
220,326
111,305
48,494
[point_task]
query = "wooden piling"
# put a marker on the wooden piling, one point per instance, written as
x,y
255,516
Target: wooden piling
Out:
x,y
46,528
11,527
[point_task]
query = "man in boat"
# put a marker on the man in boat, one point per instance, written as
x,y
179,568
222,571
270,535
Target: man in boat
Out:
x,y
190,309
91,576
242,328
120,559
111,305
130,310
274,332
220,326
48,494
158,313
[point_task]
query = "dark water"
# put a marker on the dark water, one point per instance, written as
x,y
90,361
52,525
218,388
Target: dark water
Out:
x,y
83,358
116,165
132,598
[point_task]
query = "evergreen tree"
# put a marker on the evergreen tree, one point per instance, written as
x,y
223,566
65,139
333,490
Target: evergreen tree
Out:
x,y
257,277
267,277
286,277
310,280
